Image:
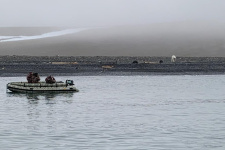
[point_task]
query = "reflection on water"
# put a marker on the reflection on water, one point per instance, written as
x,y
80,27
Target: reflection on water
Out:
x,y
35,98
40,96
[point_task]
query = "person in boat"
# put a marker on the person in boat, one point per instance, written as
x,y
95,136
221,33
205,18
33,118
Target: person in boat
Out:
x,y
29,77
50,79
35,78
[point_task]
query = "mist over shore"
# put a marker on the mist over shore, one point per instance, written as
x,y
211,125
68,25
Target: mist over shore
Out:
x,y
181,39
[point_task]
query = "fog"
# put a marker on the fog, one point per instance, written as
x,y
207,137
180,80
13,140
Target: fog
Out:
x,y
92,13
117,27
181,39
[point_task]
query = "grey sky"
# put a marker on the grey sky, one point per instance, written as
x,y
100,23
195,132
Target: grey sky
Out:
x,y
83,13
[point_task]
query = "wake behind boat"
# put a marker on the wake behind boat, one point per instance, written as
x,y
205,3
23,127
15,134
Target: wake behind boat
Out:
x,y
26,87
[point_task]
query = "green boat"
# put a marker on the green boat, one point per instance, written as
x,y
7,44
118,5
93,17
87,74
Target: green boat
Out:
x,y
25,87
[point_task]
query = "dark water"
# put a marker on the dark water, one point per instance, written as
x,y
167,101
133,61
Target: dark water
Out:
x,y
118,112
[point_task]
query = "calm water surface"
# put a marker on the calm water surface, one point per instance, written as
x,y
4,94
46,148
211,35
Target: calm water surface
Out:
x,y
117,113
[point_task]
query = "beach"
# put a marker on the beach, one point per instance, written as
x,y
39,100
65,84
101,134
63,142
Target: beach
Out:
x,y
102,65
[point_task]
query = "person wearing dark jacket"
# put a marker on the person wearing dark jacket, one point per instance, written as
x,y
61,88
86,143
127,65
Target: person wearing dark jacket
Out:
x,y
29,77
50,79
35,78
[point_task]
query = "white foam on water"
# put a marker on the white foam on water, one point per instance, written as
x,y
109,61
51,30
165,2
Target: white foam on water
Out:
x,y
46,35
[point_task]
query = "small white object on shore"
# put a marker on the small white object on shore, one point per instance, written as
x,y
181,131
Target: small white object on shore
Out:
x,y
173,58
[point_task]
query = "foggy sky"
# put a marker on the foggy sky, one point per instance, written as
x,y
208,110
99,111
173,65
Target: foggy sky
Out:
x,y
86,13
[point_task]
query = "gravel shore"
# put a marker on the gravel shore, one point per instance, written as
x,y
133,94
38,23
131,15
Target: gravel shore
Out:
x,y
102,65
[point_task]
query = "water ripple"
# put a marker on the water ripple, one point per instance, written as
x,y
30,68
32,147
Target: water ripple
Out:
x,y
127,112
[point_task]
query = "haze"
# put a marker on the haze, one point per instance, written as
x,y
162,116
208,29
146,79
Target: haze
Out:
x,y
83,13
124,27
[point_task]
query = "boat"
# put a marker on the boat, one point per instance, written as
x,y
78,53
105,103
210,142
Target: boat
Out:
x,y
25,87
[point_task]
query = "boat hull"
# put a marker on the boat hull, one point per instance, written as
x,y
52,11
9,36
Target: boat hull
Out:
x,y
24,87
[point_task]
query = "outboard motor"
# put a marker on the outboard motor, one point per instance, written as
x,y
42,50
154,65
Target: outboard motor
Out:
x,y
69,82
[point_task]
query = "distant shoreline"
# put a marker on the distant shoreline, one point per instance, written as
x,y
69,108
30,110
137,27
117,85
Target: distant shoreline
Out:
x,y
43,76
12,66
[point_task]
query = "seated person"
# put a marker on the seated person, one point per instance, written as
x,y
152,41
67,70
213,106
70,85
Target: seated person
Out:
x,y
50,79
29,77
35,78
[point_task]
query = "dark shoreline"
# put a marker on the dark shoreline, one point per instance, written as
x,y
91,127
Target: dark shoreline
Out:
x,y
44,75
109,66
